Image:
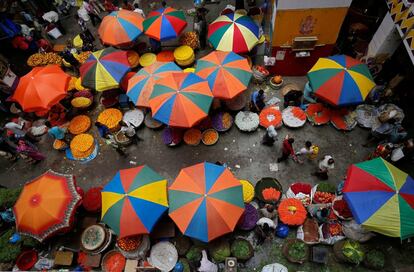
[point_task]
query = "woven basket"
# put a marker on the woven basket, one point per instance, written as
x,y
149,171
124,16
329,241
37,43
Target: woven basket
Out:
x,y
285,251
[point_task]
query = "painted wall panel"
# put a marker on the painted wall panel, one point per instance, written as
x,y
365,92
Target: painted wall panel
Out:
x,y
302,4
324,23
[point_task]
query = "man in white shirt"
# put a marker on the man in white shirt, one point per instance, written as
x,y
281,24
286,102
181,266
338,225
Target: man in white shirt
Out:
x,y
326,164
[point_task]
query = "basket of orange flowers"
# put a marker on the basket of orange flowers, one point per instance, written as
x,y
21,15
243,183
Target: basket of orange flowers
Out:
x,y
268,190
292,212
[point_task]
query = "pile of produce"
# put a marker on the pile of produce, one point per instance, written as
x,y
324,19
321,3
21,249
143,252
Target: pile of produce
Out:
x,y
130,243
92,200
292,212
249,218
242,249
79,124
192,136
341,208
344,119
248,191
82,146
353,252
110,118
190,39
301,191
40,59
83,56
59,144
271,194
222,121
247,121
323,198
293,117
171,136
270,116
113,261
331,229
295,250
210,137
318,114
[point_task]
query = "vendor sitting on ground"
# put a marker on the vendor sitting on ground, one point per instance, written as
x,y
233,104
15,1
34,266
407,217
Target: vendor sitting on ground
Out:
x,y
257,101
308,94
269,211
56,132
264,230
102,129
130,131
292,98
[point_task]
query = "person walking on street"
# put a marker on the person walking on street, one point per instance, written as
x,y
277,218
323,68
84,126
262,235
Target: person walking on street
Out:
x,y
92,13
310,150
326,164
270,136
287,149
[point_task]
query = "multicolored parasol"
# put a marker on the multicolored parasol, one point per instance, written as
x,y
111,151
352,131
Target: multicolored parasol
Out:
x,y
121,27
233,32
140,86
180,99
134,200
227,73
340,80
41,88
381,198
46,205
206,201
164,24
104,69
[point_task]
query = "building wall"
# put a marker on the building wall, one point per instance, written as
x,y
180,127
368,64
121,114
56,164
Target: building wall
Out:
x,y
324,23
304,18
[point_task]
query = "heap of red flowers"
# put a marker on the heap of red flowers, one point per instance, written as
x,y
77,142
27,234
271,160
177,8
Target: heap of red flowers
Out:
x,y
92,201
342,208
300,187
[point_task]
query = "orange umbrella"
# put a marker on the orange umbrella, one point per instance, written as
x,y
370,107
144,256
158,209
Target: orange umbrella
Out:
x,y
41,88
180,99
206,201
227,73
46,205
121,27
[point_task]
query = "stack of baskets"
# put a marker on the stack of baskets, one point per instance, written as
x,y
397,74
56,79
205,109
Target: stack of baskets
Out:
x,y
184,55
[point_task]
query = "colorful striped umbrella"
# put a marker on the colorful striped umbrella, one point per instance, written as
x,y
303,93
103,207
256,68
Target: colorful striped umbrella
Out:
x,y
233,32
41,88
134,200
140,86
227,73
121,27
340,80
381,198
164,24
180,99
206,201
46,205
104,69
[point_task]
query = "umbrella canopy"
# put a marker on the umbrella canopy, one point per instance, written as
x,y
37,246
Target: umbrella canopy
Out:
x,y
227,73
233,32
206,201
104,69
164,24
381,198
134,200
340,80
41,88
180,99
121,27
140,86
46,205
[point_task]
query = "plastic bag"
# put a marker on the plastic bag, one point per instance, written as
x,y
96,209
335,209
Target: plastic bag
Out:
x,y
275,267
397,154
354,231
329,240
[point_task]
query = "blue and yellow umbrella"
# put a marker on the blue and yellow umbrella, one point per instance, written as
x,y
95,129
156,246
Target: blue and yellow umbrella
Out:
x,y
104,69
134,200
